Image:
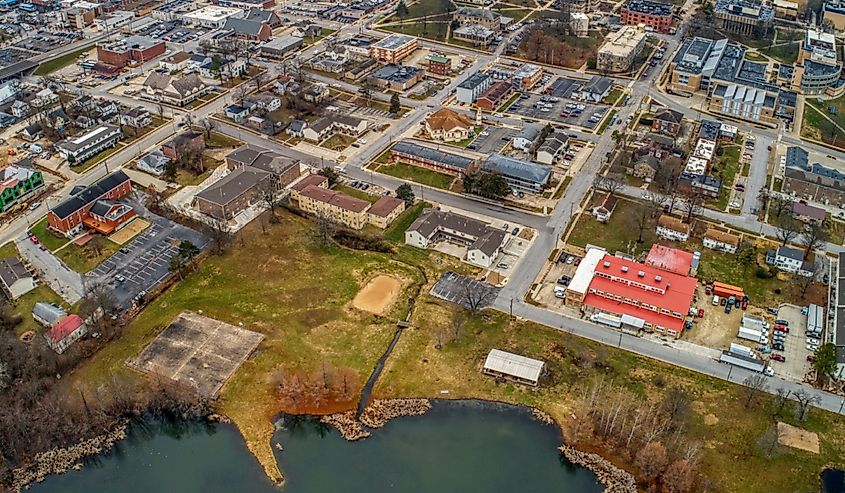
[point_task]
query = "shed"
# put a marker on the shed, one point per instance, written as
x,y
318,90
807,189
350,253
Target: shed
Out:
x,y
47,314
513,367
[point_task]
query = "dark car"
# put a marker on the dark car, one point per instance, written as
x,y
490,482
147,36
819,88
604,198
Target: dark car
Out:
x,y
577,261
782,322
565,280
777,347
773,311
779,357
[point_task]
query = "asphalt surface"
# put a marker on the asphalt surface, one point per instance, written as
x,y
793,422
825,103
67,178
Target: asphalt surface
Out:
x,y
66,282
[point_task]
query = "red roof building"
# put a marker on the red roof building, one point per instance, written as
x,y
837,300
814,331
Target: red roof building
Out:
x,y
669,259
660,298
65,332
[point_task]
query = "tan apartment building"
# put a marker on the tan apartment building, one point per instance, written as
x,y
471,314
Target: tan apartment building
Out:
x,y
384,211
618,52
394,48
334,206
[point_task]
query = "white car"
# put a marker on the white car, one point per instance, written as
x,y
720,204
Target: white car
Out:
x,y
769,371
646,196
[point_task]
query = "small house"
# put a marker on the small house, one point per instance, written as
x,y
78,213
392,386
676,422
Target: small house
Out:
x,y
721,241
672,228
603,212
15,278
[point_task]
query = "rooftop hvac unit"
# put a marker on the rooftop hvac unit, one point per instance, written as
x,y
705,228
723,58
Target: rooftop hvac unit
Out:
x,y
658,278
624,268
606,263
641,274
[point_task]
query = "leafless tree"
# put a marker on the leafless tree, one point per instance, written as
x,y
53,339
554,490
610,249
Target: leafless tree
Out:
x,y
814,236
269,195
805,400
609,184
788,228
456,324
98,305
324,230
642,219
781,399
753,386
97,244
208,126
652,460
258,79
240,93
692,205
476,297
804,282
220,234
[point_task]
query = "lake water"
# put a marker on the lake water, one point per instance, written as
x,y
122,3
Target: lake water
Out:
x,y
456,447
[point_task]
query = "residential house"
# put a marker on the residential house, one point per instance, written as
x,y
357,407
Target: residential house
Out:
x,y
316,93
262,102
672,228
790,260
603,211
47,314
20,109
65,332
32,132
296,128
483,243
236,113
176,91
807,213
284,170
447,125
17,182
495,96
667,122
721,241
526,138
646,167
250,30
188,141
175,62
15,279
79,149
552,148
154,163
596,89
137,117
332,124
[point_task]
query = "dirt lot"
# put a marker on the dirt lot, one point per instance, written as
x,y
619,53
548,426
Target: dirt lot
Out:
x,y
378,295
198,351
795,437
129,231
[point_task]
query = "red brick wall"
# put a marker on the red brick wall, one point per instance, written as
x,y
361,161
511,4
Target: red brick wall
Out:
x,y
112,58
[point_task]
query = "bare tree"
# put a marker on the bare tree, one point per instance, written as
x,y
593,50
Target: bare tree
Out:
x,y
324,230
220,234
753,386
268,193
608,184
805,400
814,236
787,229
678,477
780,399
98,305
258,79
651,460
692,205
208,126
456,324
476,297
642,219
804,282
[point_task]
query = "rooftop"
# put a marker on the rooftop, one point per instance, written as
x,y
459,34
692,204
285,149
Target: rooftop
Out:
x,y
483,237
518,169
12,270
434,155
89,194
474,80
233,185
669,259
514,365
336,199
396,73
385,205
623,41
394,41
649,7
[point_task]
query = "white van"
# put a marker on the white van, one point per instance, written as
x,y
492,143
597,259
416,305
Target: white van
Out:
x,y
715,301
560,292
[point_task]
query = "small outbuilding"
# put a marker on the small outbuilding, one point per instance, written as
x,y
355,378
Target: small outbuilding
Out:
x,y
514,367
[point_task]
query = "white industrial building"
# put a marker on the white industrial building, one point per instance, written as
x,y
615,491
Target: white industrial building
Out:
x,y
514,367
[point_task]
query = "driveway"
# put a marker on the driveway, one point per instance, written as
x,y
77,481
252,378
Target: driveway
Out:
x,y
757,174
66,282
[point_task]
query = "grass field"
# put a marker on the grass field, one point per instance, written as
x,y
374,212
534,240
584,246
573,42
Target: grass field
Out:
x,y
728,164
613,97
338,142
396,231
358,194
617,234
816,126
784,53
417,175
99,158
84,258
61,62
47,238
824,107
606,122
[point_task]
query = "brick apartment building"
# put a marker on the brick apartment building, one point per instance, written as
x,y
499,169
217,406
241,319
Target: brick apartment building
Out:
x,y
75,213
657,15
134,49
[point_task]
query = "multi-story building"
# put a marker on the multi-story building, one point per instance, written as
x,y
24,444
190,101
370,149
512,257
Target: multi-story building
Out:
x,y
483,243
211,16
579,6
114,20
619,50
490,19
495,96
790,260
475,34
667,122
672,228
818,68
384,211
448,163
17,182
641,296
470,89
78,17
748,17
394,48
328,125
447,125
527,76
73,214
335,206
396,77
439,64
656,15
579,24
815,182
172,90
521,176
238,190
134,49
786,10
721,241
79,149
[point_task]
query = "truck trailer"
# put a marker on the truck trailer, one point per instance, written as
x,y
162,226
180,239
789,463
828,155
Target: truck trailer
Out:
x,y
749,334
742,361
606,319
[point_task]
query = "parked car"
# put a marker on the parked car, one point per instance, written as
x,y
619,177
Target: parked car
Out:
x,y
577,261
502,265
565,280
782,322
700,312
779,357
781,328
33,239
772,310
570,259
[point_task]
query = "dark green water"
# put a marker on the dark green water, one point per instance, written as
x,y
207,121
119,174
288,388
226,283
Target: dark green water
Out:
x,y
456,447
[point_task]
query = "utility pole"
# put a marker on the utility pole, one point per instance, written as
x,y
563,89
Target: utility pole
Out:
x,y
512,319
841,405
620,338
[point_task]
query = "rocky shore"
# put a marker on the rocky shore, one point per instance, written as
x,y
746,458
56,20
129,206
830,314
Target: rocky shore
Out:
x,y
381,411
614,479
541,416
60,460
347,425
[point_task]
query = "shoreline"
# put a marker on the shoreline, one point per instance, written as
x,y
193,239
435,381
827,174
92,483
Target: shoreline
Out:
x,y
380,411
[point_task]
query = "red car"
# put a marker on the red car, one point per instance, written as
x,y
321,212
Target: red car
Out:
x,y
744,304
778,357
33,239
700,312
811,358
781,328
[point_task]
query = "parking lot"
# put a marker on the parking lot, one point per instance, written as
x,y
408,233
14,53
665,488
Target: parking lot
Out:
x,y
144,262
464,291
44,41
172,32
556,106
795,350
495,139
563,87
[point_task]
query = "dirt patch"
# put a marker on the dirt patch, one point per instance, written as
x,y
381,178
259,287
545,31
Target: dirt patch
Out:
x,y
129,231
378,295
795,437
711,419
717,329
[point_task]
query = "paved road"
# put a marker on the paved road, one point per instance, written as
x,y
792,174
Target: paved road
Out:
x,y
63,280
757,175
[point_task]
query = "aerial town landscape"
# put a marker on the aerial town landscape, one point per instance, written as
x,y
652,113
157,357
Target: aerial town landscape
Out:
x,y
600,241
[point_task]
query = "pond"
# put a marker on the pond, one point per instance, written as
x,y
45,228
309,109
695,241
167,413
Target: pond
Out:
x,y
456,447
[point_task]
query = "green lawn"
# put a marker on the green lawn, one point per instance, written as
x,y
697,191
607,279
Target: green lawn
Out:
x,y
434,30
514,13
99,158
45,236
754,57
606,122
219,141
61,62
417,175
785,53
507,104
618,233
396,231
23,307
187,178
816,126
824,107
613,97
84,258
728,164
338,142
725,268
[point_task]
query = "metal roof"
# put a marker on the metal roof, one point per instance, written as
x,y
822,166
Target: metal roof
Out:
x,y
429,154
515,168
514,365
